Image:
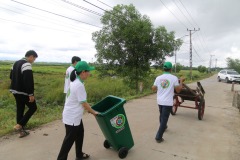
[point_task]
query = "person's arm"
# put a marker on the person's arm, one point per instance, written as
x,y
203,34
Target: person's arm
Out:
x,y
154,88
28,80
89,109
180,86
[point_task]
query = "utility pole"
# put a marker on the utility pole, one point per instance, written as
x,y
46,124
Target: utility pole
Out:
x,y
210,63
190,34
175,60
216,64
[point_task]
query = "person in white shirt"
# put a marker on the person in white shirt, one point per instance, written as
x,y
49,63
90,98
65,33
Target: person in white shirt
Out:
x,y
165,85
69,70
76,102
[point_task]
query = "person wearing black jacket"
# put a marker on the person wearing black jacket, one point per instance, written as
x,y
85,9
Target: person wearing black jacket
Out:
x,y
22,87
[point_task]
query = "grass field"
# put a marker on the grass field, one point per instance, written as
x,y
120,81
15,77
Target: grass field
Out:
x,y
49,81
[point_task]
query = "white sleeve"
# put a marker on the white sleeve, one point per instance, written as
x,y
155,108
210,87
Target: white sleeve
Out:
x,y
81,94
67,81
176,83
156,82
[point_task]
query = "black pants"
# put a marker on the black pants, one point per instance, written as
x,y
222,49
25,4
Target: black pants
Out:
x,y
21,101
73,134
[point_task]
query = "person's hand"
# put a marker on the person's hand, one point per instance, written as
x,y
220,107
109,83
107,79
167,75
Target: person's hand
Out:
x,y
182,79
95,114
31,99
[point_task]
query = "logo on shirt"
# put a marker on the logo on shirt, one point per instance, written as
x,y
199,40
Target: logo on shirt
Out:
x,y
165,83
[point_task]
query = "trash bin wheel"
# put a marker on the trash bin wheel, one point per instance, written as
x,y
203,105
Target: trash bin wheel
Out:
x,y
106,144
122,152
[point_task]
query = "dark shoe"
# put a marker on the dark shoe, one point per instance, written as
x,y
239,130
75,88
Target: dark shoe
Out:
x,y
166,127
159,140
23,133
84,156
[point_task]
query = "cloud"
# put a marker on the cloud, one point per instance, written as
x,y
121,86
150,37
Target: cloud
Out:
x,y
58,38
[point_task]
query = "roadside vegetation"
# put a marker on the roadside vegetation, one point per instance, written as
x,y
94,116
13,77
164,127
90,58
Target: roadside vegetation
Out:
x,y
49,81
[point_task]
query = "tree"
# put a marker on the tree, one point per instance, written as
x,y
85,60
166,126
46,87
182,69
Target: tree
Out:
x,y
233,64
128,43
179,67
202,69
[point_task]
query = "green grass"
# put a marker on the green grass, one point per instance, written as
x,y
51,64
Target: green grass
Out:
x,y
49,81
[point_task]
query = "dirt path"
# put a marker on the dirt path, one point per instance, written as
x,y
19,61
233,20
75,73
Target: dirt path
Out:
x,y
216,137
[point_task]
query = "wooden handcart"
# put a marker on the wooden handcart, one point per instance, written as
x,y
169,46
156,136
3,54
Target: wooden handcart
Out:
x,y
187,93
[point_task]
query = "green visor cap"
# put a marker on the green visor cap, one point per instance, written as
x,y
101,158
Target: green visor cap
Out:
x,y
167,65
83,66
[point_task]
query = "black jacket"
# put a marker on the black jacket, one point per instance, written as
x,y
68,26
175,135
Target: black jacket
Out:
x,y
22,78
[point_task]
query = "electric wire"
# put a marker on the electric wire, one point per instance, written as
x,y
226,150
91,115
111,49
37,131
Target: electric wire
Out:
x,y
105,4
70,8
47,19
32,25
95,5
183,14
83,8
54,13
173,14
188,13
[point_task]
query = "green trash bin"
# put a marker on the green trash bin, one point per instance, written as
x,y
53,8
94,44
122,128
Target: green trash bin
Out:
x,y
114,124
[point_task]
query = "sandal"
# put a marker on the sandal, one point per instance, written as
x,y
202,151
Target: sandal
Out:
x,y
23,133
84,156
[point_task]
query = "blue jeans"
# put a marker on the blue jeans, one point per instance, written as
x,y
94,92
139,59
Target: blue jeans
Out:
x,y
163,119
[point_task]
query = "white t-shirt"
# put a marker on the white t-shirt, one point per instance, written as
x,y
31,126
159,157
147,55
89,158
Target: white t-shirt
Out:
x,y
165,88
67,78
73,109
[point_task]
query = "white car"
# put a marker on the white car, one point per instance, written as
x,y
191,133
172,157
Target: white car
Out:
x,y
228,76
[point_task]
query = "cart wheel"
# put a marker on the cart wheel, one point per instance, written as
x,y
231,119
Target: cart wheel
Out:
x,y
106,144
122,152
201,109
175,105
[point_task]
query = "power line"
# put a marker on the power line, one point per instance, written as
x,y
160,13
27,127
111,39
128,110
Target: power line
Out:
x,y
36,25
188,13
173,14
194,22
86,9
55,14
95,6
198,54
105,4
70,8
41,17
183,13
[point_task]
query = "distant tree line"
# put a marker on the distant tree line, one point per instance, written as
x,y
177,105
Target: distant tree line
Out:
x,y
233,64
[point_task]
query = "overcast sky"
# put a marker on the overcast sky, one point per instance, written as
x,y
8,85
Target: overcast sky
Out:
x,y
57,30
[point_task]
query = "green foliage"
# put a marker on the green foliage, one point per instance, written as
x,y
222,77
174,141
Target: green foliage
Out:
x,y
202,69
179,67
233,64
196,75
127,43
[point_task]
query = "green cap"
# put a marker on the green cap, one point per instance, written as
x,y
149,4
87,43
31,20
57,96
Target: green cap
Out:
x,y
83,66
167,65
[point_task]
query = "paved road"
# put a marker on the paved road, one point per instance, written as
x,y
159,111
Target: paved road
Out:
x,y
216,137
